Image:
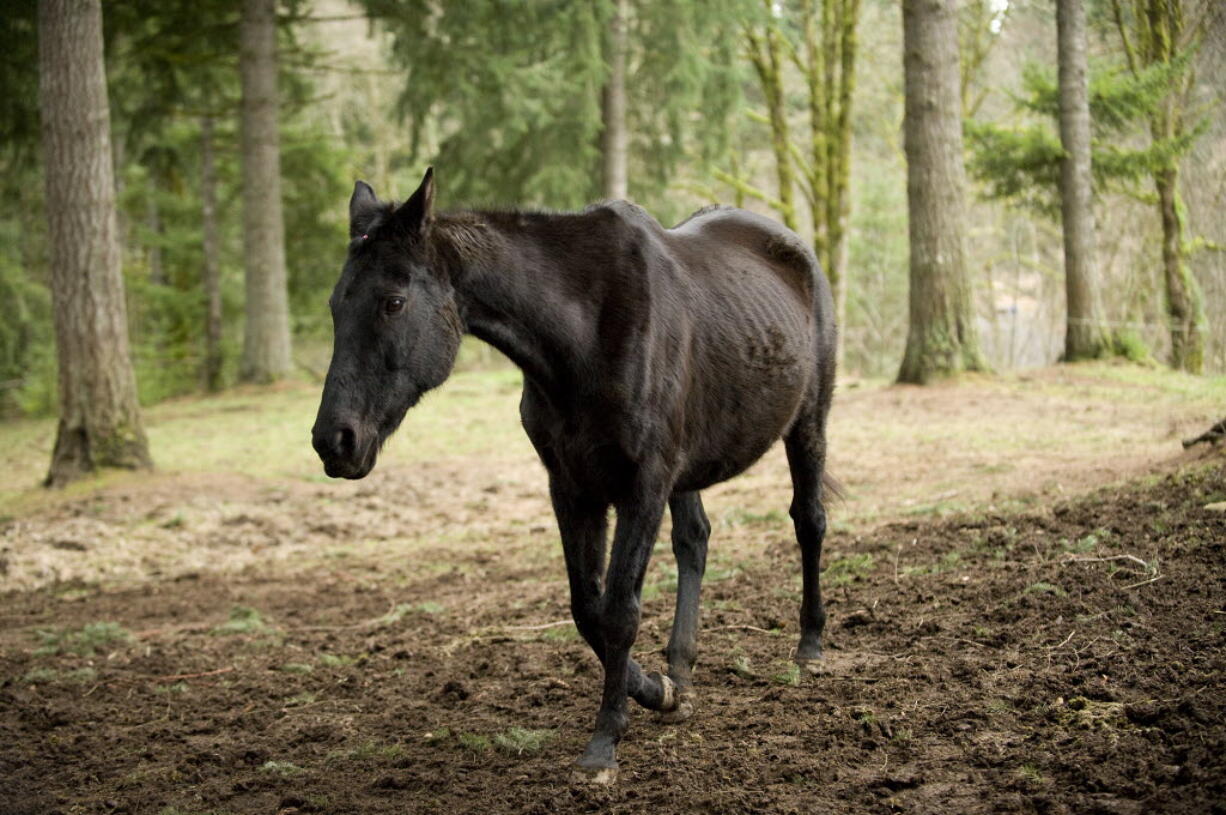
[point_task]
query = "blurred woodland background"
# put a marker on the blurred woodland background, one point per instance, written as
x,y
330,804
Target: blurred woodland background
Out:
x,y
236,131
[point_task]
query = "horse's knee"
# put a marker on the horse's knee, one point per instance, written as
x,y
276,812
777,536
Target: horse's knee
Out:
x,y
810,519
586,614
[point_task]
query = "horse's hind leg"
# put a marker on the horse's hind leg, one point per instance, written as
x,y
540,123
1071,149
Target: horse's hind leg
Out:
x,y
806,449
691,530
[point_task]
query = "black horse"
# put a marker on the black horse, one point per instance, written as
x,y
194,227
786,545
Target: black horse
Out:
x,y
656,363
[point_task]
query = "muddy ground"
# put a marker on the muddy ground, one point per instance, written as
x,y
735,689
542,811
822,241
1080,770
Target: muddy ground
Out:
x,y
1069,658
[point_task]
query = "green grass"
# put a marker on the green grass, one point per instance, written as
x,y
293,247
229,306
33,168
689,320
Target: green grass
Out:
x,y
1043,587
849,569
285,769
84,641
518,741
264,433
243,620
474,742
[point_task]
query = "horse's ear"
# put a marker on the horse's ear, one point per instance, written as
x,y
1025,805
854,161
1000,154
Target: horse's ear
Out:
x,y
415,214
362,208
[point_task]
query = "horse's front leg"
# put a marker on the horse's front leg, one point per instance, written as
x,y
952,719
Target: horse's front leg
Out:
x,y
637,523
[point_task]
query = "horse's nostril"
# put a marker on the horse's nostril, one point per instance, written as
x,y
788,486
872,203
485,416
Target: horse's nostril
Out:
x,y
346,441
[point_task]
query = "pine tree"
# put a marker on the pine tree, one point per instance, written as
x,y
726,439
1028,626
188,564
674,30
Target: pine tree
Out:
x,y
100,421
509,106
1022,163
941,335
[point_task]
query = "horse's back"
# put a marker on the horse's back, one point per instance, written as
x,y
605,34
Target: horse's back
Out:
x,y
723,239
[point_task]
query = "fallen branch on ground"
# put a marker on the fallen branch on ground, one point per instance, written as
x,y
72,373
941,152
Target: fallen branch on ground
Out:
x,y
172,677
1211,436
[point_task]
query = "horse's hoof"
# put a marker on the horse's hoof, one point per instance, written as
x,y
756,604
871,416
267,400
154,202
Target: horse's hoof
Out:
x,y
813,667
683,710
594,776
669,702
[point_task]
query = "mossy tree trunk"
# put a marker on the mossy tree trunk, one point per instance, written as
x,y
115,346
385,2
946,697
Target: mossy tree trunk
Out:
x,y
941,336
266,337
1086,334
825,57
1161,35
765,53
100,420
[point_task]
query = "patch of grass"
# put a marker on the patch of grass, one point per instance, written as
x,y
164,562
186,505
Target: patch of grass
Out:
x,y
1030,772
297,668
864,715
437,736
517,740
560,633
1087,543
243,620
741,667
1087,714
370,750
788,676
176,688
1043,587
40,676
742,517
85,641
844,570
337,660
403,610
474,742
285,769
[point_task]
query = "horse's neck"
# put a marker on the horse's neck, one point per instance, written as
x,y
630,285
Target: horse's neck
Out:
x,y
511,296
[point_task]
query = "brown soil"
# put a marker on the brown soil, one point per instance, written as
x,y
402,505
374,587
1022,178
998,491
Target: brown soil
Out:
x,y
1069,659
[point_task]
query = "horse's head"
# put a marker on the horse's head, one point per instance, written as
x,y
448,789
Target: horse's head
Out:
x,y
396,329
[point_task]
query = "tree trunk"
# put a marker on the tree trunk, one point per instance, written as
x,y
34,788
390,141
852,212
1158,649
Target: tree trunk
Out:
x,y
1086,335
1184,302
764,52
100,421
266,338
153,221
614,139
211,273
941,337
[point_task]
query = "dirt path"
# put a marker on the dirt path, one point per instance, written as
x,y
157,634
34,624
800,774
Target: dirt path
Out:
x,y
1068,660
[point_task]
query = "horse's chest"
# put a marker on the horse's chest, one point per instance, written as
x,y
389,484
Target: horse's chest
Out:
x,y
583,449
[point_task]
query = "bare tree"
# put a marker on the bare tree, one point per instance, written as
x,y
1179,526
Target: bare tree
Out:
x,y
941,336
1086,335
266,338
100,421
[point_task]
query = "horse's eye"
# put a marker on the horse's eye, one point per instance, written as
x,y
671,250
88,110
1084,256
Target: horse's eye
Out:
x,y
392,305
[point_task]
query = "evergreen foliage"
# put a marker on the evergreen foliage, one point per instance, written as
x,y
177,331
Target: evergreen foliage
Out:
x,y
1021,163
506,96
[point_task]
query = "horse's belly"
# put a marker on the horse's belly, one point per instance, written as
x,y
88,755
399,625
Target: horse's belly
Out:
x,y
738,426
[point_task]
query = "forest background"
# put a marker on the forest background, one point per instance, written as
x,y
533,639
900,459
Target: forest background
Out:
x,y
512,103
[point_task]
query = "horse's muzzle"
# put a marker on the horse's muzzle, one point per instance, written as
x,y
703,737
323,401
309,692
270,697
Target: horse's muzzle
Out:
x,y
344,450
